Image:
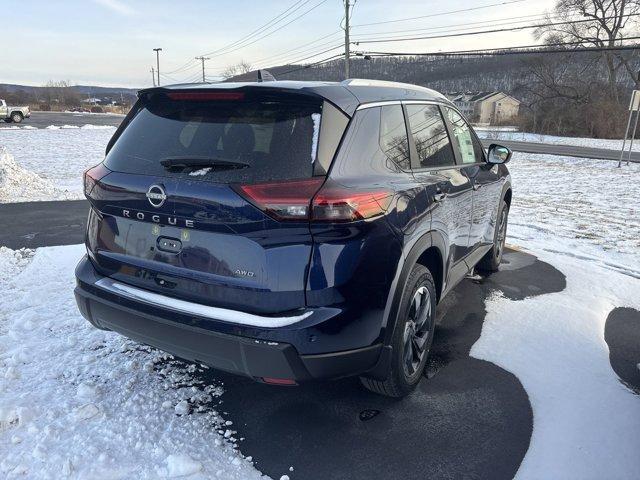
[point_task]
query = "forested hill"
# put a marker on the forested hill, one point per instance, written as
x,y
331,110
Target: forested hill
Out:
x,y
508,73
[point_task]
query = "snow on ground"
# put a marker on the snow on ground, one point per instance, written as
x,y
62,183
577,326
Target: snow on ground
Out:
x,y
499,134
591,208
83,403
58,155
585,421
77,402
586,224
20,185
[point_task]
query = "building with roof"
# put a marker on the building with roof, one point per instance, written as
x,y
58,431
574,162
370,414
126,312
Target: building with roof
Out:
x,y
487,108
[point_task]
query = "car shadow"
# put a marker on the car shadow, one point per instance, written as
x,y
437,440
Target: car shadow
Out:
x,y
622,334
469,419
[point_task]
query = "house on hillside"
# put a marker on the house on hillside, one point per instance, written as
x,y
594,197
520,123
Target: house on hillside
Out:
x,y
488,108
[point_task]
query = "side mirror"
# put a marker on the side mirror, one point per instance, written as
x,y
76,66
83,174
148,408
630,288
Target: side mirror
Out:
x,y
498,154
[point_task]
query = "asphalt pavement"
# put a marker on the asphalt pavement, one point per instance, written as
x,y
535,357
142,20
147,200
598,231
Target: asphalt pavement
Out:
x,y
44,119
562,150
468,418
41,224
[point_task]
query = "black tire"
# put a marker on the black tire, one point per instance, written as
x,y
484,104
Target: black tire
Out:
x,y
412,336
16,117
7,120
491,261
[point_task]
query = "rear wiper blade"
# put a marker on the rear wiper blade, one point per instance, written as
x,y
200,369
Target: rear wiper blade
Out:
x,y
201,162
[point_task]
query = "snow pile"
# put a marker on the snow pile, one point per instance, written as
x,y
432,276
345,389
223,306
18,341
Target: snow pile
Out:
x,y
58,155
20,185
585,420
83,403
86,126
19,127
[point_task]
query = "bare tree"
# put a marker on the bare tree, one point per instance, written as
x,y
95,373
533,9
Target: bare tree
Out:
x,y
600,23
237,69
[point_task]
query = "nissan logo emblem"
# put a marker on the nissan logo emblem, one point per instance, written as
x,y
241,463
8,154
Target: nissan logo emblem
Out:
x,y
156,195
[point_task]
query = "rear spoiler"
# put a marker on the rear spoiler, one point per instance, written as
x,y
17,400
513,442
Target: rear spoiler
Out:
x,y
337,95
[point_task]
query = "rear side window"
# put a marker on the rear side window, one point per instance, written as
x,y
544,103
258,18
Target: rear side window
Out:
x,y
220,141
470,148
430,136
393,136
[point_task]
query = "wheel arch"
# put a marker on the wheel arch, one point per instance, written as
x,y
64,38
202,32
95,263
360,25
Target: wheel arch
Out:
x,y
429,250
506,195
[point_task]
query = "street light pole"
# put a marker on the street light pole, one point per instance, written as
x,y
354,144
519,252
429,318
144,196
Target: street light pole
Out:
x,y
158,50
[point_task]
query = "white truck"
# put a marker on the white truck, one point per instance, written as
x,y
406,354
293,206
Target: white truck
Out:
x,y
13,114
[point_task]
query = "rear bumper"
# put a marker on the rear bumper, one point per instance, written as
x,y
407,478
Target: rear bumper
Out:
x,y
182,335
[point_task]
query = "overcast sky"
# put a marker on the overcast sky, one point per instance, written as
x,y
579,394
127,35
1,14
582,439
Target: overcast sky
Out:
x,y
110,42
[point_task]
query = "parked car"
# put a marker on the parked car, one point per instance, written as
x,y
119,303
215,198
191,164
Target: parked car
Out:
x,y
290,231
13,114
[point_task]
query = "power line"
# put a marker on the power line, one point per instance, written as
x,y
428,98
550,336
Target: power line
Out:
x,y
483,32
190,64
319,62
277,19
465,26
293,62
471,9
267,34
519,50
288,52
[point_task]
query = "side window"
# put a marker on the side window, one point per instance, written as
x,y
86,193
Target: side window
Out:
x,y
470,148
430,136
393,136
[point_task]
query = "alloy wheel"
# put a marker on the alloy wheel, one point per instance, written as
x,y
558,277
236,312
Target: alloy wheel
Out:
x,y
502,233
417,330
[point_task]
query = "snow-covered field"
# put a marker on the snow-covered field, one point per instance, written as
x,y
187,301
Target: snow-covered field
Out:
x,y
81,403
500,134
590,209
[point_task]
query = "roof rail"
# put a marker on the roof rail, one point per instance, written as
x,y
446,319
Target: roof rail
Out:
x,y
366,82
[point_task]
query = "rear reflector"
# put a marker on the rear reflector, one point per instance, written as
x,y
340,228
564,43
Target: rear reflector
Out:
x,y
203,96
306,200
278,381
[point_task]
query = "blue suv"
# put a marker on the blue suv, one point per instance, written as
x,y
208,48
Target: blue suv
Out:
x,y
290,231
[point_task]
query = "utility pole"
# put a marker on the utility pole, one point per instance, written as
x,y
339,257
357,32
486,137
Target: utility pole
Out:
x,y
346,38
202,59
153,76
158,50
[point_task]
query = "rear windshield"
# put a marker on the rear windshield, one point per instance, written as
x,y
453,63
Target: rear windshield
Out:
x,y
220,141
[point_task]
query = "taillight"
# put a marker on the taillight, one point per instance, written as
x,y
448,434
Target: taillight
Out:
x,y
335,203
288,200
92,176
305,200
